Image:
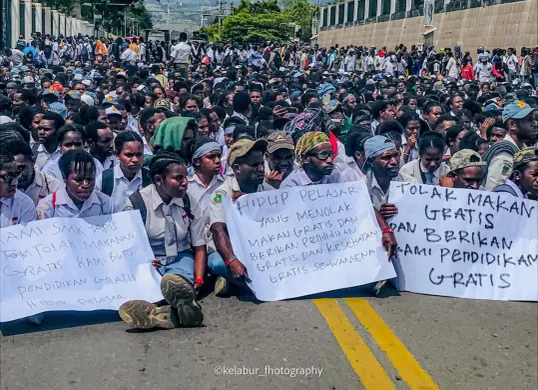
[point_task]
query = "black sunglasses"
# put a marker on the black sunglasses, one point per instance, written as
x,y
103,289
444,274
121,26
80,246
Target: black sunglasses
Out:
x,y
9,178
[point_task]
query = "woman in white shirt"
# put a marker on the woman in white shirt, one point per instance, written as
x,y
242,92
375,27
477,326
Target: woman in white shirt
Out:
x,y
69,137
430,166
128,176
78,198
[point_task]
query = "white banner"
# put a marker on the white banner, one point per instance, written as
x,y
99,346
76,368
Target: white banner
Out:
x,y
79,264
305,240
465,243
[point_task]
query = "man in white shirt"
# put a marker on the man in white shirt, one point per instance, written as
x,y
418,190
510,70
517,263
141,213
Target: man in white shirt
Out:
x,y
511,63
181,55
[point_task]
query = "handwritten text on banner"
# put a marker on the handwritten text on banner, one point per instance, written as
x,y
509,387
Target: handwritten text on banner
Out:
x,y
75,264
465,243
306,240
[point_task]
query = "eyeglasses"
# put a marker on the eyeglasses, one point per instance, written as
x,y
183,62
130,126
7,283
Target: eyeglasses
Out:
x,y
10,177
322,155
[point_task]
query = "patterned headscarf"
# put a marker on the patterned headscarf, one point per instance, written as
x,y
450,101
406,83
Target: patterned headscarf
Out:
x,y
308,142
311,119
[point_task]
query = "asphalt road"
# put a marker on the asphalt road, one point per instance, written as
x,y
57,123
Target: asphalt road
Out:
x,y
409,341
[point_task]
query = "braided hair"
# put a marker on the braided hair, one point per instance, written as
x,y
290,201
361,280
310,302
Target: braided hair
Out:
x,y
161,160
77,161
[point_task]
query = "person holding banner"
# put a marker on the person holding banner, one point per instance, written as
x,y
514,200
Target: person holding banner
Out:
x,y
382,167
245,157
15,206
78,198
523,181
175,227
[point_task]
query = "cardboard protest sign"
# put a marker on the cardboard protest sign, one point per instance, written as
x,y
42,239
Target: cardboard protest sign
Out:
x,y
465,243
306,240
79,264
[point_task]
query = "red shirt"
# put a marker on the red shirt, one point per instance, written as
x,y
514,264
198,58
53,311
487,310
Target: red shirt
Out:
x,y
467,72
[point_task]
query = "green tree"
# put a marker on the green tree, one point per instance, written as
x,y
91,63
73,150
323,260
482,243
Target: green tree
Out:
x,y
301,12
247,27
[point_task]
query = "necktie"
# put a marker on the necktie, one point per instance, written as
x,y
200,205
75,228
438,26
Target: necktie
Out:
x,y
170,237
429,177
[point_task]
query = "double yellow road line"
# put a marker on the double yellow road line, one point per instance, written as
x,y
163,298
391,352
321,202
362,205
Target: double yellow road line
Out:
x,y
361,358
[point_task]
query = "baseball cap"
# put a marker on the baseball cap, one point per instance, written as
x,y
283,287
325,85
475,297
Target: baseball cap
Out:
x,y
525,156
78,77
331,106
73,94
28,80
108,101
59,109
516,110
243,147
87,99
112,110
465,158
164,104
279,140
50,91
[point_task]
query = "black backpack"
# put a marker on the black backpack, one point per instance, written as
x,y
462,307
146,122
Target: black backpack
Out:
x,y
107,183
138,204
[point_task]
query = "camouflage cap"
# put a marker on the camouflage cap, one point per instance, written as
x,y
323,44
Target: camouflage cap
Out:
x,y
465,158
243,147
525,156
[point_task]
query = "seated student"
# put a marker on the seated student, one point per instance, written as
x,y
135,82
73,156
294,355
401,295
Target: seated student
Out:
x,y
278,158
15,206
175,225
245,157
46,148
382,167
69,137
101,142
430,166
355,148
33,183
128,175
206,177
454,134
523,181
465,171
314,154
411,124
78,198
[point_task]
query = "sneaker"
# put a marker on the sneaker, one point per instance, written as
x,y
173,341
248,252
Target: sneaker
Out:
x,y
180,294
221,286
145,315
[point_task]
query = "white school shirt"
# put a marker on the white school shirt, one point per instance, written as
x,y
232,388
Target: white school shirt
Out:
x,y
123,188
298,177
42,186
52,168
169,228
110,161
414,169
43,156
97,204
204,195
16,210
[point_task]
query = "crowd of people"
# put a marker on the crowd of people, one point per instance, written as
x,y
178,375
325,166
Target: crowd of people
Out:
x,y
93,127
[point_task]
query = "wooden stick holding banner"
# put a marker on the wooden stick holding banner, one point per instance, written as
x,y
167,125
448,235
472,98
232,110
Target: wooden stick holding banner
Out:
x,y
465,243
79,264
306,240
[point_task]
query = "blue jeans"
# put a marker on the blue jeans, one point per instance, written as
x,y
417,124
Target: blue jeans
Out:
x,y
535,80
216,266
182,265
